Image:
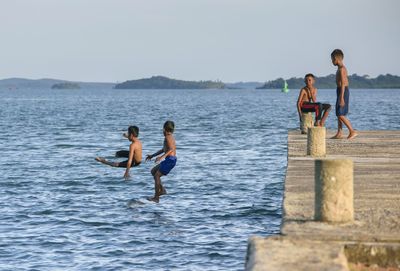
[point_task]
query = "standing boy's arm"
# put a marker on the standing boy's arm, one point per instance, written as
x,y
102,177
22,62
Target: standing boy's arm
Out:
x,y
130,160
343,75
150,156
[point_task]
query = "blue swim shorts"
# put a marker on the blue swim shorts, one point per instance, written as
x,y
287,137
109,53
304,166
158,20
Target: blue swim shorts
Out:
x,y
342,111
168,164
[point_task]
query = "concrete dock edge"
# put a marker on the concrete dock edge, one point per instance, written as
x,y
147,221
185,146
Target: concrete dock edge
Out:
x,y
371,240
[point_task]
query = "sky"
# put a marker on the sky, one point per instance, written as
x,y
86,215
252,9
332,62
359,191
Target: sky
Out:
x,y
227,40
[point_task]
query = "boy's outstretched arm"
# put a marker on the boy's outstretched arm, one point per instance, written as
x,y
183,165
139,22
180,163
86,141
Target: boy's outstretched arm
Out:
x,y
150,156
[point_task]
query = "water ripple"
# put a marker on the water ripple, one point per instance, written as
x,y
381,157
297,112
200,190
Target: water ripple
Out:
x,y
60,209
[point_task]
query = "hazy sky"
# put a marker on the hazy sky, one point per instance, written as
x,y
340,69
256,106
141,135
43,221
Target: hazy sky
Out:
x,y
229,40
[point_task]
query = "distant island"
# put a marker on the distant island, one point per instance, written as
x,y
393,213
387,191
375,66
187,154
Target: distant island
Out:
x,y
162,82
243,85
329,81
46,83
66,85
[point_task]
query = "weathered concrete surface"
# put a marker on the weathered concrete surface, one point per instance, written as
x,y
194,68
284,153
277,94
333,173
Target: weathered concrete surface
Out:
x,y
376,156
280,253
307,120
316,142
334,194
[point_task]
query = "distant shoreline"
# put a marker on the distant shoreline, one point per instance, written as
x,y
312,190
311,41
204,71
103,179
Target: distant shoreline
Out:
x,y
387,81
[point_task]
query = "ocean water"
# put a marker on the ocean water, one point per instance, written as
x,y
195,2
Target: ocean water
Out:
x,y
62,210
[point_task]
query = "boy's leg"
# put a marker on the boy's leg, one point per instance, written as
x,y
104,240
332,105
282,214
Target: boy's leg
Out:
x,y
124,154
154,171
163,191
311,107
326,108
104,161
124,164
339,130
318,113
157,187
352,133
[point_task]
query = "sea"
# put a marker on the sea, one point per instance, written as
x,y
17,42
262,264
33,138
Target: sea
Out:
x,y
62,210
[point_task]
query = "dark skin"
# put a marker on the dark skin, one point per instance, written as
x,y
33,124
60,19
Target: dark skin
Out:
x,y
135,155
310,91
342,82
169,149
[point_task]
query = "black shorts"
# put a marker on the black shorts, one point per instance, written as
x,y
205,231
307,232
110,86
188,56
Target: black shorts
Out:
x,y
125,163
315,107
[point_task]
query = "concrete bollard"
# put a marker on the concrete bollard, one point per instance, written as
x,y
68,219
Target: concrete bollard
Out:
x,y
334,190
307,120
316,146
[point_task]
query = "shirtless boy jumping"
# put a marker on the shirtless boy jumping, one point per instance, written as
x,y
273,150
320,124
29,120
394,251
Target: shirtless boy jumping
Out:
x,y
168,160
134,154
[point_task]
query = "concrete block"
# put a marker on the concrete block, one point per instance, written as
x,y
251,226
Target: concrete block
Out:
x,y
316,146
307,120
334,190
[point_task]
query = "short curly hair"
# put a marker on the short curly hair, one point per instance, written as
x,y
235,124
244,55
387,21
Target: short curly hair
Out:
x,y
169,126
337,53
309,75
133,130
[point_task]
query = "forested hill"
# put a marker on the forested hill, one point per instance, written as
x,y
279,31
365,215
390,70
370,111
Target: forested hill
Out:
x,y
23,83
355,81
161,82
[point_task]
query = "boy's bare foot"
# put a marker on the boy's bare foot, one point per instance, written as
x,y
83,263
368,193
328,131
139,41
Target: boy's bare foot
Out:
x,y
100,159
352,135
337,136
157,200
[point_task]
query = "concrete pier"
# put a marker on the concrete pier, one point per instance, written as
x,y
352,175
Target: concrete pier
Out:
x,y
316,143
307,120
371,239
334,190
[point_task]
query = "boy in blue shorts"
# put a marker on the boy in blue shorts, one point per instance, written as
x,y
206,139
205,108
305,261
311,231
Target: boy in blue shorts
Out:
x,y
168,160
342,95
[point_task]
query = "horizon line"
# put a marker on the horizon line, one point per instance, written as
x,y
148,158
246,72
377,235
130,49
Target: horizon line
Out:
x,y
217,80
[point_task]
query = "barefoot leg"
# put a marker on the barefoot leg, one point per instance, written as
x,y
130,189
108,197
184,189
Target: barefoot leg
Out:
x,y
339,131
325,116
104,161
157,200
163,191
352,135
100,159
157,186
345,121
